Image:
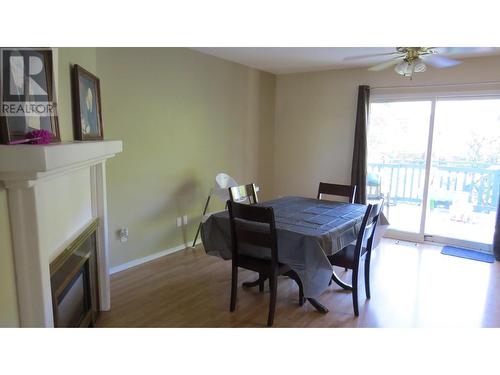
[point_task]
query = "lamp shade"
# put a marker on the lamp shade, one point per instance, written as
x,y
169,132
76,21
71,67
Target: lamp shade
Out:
x,y
223,182
407,69
403,68
419,66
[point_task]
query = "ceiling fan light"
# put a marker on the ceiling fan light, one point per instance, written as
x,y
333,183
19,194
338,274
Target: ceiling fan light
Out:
x,y
403,68
419,66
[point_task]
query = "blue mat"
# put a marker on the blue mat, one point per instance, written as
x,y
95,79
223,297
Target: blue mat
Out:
x,y
467,254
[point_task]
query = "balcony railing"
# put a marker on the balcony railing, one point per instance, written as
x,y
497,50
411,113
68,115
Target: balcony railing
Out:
x,y
403,183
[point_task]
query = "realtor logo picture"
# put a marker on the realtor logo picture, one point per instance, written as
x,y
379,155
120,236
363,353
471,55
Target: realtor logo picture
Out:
x,y
24,86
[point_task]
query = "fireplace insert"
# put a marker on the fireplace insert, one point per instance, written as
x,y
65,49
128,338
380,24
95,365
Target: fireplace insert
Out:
x,y
74,282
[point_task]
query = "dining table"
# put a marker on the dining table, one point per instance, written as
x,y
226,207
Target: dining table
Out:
x,y
308,231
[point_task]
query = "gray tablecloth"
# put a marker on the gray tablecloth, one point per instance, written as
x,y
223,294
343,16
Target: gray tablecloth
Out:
x,y
308,230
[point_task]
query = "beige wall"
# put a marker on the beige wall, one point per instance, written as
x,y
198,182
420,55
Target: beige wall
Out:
x,y
183,117
86,57
65,57
315,115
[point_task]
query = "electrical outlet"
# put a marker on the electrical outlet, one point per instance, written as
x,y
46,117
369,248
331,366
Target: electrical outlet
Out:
x,y
179,221
185,219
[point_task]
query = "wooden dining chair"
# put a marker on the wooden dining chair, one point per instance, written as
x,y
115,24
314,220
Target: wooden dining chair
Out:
x,y
244,193
348,191
255,226
351,256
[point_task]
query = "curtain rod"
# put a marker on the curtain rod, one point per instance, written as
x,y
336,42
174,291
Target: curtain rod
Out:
x,y
431,85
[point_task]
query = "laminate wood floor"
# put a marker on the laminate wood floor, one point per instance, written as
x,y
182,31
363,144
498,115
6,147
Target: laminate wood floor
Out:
x,y
412,286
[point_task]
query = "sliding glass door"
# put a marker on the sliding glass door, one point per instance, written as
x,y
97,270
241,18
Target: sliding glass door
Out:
x,y
465,171
397,147
436,162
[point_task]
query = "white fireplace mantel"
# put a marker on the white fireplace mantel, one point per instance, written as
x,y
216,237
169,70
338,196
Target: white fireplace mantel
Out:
x,y
54,191
28,163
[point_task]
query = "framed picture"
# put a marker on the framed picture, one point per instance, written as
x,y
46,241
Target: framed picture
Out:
x,y
27,94
86,105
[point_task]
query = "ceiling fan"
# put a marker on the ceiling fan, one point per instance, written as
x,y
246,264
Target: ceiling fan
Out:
x,y
410,60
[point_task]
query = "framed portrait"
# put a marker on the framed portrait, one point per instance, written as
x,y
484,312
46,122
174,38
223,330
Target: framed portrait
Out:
x,y
27,94
86,105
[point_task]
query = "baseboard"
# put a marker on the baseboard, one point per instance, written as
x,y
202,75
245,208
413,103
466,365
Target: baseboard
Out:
x,y
149,258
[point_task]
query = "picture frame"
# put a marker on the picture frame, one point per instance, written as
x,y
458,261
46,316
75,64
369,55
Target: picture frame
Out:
x,y
28,102
86,97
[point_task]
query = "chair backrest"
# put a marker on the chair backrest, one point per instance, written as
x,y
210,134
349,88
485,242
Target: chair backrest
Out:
x,y
348,191
243,193
252,225
366,233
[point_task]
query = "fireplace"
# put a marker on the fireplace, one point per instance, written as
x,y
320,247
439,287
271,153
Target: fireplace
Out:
x,y
56,193
74,282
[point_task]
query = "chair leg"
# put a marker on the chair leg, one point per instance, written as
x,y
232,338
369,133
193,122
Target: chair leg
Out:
x,y
272,302
355,291
262,279
367,275
234,287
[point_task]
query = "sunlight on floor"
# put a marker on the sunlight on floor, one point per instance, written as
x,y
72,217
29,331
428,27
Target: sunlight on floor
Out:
x,y
440,290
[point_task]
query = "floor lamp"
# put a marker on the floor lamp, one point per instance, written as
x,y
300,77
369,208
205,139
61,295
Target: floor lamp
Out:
x,y
222,183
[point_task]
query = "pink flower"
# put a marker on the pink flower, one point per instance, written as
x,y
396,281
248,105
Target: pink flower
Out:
x,y
39,137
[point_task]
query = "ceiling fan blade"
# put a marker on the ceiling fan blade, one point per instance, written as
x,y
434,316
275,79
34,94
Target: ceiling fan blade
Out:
x,y
440,61
385,65
462,50
371,55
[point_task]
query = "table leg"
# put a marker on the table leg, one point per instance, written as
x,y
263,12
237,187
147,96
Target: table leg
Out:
x,y
259,281
318,306
340,282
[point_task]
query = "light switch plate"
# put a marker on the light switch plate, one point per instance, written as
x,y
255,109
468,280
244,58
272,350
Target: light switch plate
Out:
x,y
123,233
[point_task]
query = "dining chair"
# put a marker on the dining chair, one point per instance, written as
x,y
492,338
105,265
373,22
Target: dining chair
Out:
x,y
247,194
244,193
255,226
351,256
348,191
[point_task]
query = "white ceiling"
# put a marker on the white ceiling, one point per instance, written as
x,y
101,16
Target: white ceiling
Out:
x,y
282,60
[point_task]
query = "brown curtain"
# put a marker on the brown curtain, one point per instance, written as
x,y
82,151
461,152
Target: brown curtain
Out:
x,y
358,171
496,240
